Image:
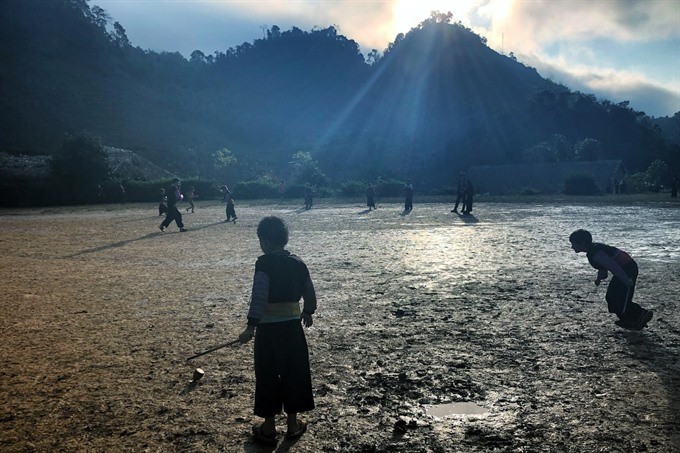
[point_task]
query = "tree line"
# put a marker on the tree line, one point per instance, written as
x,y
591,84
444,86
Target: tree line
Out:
x,y
434,102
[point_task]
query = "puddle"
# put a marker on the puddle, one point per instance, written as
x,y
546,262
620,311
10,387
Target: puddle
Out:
x,y
444,410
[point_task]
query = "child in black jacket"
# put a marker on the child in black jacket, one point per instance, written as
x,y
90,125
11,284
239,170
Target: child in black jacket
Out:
x,y
624,269
282,372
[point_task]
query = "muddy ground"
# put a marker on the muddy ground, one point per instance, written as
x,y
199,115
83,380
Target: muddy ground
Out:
x,y
100,310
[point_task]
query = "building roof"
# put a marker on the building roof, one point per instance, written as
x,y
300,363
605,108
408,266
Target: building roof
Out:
x,y
124,165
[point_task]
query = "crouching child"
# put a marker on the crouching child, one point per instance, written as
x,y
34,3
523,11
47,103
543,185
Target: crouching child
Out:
x,y
624,269
282,371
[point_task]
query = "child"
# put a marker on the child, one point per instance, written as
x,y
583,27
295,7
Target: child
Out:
x,y
309,197
461,193
624,270
190,199
229,199
370,197
408,195
174,194
163,203
469,194
282,372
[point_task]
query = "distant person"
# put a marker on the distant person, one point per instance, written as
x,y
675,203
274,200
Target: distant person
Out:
x,y
309,197
624,269
282,372
370,197
228,198
622,186
121,192
191,194
616,187
674,187
163,203
282,189
460,193
469,195
174,196
408,197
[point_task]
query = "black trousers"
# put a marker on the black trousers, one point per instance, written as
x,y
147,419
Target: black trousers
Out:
x,y
282,374
467,204
231,212
460,197
620,298
173,214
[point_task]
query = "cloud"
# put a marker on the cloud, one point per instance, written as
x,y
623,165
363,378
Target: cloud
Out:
x,y
616,49
653,98
530,25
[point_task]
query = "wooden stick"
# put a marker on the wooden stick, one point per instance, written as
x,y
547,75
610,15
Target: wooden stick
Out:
x,y
213,349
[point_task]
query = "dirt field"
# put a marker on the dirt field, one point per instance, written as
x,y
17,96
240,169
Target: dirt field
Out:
x,y
100,310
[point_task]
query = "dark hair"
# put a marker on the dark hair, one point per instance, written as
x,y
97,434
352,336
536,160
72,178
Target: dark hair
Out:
x,y
274,230
581,237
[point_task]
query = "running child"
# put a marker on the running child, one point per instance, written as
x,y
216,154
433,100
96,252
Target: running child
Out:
x,y
174,194
624,269
190,198
282,372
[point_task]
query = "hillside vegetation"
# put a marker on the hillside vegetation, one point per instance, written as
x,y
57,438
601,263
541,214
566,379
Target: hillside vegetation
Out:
x,y
436,101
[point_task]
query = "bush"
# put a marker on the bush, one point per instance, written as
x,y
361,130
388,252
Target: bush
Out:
x,y
635,182
80,166
27,191
352,188
390,188
580,184
529,191
260,188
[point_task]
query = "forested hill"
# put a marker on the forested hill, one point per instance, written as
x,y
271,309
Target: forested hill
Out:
x,y
435,101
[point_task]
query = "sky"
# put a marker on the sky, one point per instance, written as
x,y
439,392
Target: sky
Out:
x,y
620,50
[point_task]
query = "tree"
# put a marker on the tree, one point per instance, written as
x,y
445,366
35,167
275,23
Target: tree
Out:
x,y
561,148
197,57
541,152
588,149
120,35
306,170
79,167
100,17
274,32
373,57
656,172
223,158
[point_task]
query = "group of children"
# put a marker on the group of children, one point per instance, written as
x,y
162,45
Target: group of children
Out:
x,y
281,356
465,194
168,204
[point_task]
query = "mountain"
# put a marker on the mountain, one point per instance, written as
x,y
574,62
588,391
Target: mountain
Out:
x,y
436,101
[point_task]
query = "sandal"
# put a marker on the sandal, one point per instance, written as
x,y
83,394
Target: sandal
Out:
x,y
302,427
263,438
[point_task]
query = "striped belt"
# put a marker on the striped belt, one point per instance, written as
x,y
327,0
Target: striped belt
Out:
x,y
282,309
